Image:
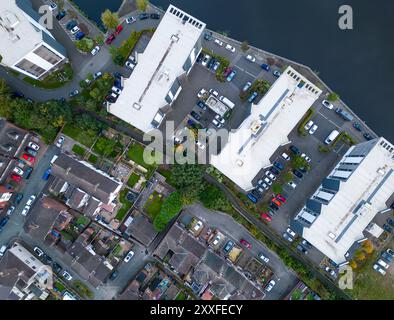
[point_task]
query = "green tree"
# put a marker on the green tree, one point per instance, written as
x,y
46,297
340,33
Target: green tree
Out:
x,y
110,19
99,39
170,208
333,96
213,198
245,46
188,178
105,146
298,162
60,4
85,45
287,177
142,4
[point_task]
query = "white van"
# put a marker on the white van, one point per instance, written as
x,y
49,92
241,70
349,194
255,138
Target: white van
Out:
x,y
332,136
3,249
227,102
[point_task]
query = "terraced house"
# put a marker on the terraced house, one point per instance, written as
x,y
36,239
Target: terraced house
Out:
x,y
26,46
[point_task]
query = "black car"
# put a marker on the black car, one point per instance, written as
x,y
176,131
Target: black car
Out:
x,y
274,170
155,16
61,15
17,94
367,136
208,36
274,206
303,169
298,174
3,222
211,63
143,16
28,172
387,228
195,115
390,222
114,275
18,198
357,126
295,150
200,57
56,267
229,245
202,105
302,249
117,75
256,193
47,259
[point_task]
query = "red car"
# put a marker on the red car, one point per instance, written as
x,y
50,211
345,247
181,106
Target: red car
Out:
x,y
227,71
277,202
118,29
110,39
245,243
15,177
266,217
28,157
281,198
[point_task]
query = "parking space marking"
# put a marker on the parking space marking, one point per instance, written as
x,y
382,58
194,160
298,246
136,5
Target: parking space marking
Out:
x,y
247,72
332,122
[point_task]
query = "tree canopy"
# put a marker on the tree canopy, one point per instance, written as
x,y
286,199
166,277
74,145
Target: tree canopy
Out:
x,y
110,19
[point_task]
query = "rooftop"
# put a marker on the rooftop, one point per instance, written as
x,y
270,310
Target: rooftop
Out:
x,y
251,146
366,175
158,68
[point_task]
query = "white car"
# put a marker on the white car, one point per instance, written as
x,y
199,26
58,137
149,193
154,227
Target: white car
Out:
x,y
130,20
327,104
268,181
3,249
230,48
116,90
67,275
18,171
31,200
379,269
60,141
285,156
250,58
307,159
218,42
383,264
214,92
204,62
95,50
38,251
25,210
75,30
200,145
129,65
313,129
52,6
220,119
197,226
270,285
308,125
292,184
216,240
291,232
34,146
129,256
201,93
216,123
270,175
264,258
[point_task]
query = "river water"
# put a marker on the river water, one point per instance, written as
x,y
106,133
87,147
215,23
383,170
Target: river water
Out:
x,y
358,64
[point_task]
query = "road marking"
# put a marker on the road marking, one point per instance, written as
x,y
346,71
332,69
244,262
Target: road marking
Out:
x,y
247,72
332,122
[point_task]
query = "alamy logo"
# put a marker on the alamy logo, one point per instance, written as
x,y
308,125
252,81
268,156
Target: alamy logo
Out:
x,y
346,278
46,19
345,21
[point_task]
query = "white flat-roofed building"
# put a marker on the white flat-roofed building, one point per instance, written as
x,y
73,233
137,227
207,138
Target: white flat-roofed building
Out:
x,y
156,80
25,45
333,224
251,146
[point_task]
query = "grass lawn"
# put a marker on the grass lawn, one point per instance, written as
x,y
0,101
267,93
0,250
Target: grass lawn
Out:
x,y
83,137
136,154
83,221
133,180
93,159
55,80
60,287
153,205
107,147
371,285
126,205
79,150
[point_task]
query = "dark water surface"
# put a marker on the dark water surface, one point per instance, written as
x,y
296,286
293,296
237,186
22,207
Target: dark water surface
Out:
x,y
358,63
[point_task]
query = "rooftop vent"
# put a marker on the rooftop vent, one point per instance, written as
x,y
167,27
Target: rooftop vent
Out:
x,y
137,106
255,127
174,38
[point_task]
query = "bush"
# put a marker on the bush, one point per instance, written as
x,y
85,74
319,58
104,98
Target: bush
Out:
x,y
277,188
333,97
170,208
213,198
78,150
305,120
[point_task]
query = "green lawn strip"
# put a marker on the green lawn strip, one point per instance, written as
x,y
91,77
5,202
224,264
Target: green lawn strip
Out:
x,y
83,221
55,80
59,286
83,137
82,289
126,205
79,150
153,205
93,158
136,154
107,147
134,177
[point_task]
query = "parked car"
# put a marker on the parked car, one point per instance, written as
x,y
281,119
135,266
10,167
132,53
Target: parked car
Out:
x,y
10,210
302,249
252,198
38,251
379,269
79,36
308,125
61,15
313,129
129,65
245,243
208,36
270,175
202,93
15,177
285,156
252,97
230,48
278,165
95,50
118,29
250,58
306,244
229,245
56,267
97,75
295,150
298,174
327,104
155,16
110,39
18,198
277,202
281,198
74,93
383,264
143,16
247,86
307,159
71,24
287,237
114,275
367,136
3,249
205,60
195,115
216,66
75,30
276,73
270,286
31,200
218,42
130,20
214,92
202,105
264,257
66,275
3,222
387,257
292,184
60,141
265,67
34,146
231,76
216,240
357,126
220,119
28,158
46,174
266,217
18,171
216,123
198,226
129,255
